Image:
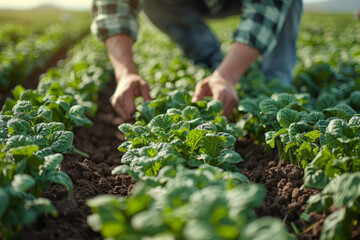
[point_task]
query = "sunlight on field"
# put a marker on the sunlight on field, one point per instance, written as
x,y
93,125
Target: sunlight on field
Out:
x,y
25,4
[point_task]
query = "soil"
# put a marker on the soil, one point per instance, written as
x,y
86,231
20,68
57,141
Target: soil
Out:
x,y
91,177
285,199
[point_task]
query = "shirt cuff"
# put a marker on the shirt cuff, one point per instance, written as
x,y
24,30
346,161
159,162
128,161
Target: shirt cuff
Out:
x,y
114,17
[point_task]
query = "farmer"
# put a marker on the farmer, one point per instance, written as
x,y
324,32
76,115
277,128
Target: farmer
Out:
x,y
268,30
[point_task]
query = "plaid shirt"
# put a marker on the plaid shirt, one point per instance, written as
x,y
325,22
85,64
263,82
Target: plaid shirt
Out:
x,y
262,20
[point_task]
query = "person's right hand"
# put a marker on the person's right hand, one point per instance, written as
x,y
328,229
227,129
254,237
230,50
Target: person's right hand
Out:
x,y
129,86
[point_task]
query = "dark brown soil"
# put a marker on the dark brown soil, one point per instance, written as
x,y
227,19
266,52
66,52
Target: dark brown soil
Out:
x,y
285,199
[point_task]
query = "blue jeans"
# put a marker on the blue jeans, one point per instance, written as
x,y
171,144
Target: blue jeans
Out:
x,y
183,22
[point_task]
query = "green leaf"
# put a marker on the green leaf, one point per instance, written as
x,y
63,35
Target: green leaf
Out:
x,y
18,127
271,136
315,177
269,107
51,162
336,226
42,153
194,139
307,152
207,127
195,229
76,114
249,106
61,141
319,203
179,99
190,113
229,156
313,135
63,179
354,122
122,169
162,121
22,182
342,111
339,129
322,158
18,141
299,127
213,144
180,128
265,228
314,117
44,205
347,190
125,128
27,150
129,156
139,142
149,222
325,100
286,116
56,126
16,92
284,99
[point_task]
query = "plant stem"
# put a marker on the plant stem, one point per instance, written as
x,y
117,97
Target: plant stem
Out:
x,y
81,153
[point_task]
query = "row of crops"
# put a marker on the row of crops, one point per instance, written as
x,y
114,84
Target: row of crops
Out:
x,y
182,153
30,48
36,131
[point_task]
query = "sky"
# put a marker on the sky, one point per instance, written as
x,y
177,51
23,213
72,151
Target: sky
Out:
x,y
69,4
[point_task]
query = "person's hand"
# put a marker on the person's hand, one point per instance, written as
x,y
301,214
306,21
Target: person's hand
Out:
x,y
129,86
220,88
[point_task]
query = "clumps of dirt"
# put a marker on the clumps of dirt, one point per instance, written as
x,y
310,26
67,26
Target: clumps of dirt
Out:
x,y
285,198
91,177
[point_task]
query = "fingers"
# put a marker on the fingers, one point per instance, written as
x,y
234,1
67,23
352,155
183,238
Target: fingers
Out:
x,y
145,91
202,89
230,103
123,100
123,107
228,98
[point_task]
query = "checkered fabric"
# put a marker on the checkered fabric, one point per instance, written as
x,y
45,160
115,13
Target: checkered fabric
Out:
x,y
112,17
261,23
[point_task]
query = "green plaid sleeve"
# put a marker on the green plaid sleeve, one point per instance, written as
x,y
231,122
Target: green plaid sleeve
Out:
x,y
261,24
112,17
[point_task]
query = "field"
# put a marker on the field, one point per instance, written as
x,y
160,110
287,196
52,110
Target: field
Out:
x,y
285,165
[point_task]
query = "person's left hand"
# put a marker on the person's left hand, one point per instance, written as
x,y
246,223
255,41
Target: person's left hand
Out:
x,y
220,88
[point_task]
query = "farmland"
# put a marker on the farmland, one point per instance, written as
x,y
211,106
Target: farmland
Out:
x,y
285,164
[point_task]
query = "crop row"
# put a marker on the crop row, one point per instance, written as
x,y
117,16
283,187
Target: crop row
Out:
x,y
35,51
314,123
36,131
182,156
321,136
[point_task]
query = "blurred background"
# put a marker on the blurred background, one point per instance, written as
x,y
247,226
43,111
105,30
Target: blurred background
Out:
x,y
310,5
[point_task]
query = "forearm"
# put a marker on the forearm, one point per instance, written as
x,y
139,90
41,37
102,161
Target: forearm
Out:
x,y
120,53
237,61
